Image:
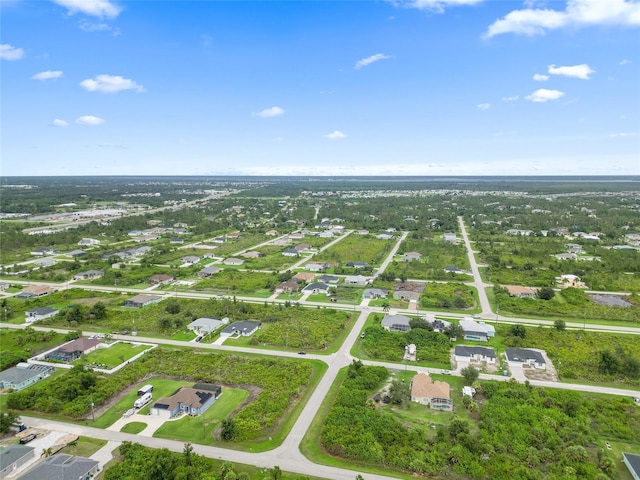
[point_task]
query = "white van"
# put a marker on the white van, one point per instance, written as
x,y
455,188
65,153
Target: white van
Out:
x,y
142,401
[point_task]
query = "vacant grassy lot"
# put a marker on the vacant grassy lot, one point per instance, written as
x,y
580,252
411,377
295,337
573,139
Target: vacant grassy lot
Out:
x,y
357,248
114,355
84,446
200,429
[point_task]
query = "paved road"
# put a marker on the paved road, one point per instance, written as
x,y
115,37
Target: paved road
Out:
x,y
477,279
393,252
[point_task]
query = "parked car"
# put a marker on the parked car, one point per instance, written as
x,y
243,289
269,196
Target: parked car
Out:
x,y
446,372
302,353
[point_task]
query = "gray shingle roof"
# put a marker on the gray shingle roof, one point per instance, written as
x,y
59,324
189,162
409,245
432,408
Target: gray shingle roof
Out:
x,y
467,351
523,354
12,454
60,467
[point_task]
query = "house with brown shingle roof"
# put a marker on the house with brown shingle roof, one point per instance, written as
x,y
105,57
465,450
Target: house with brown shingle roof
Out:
x,y
73,350
305,277
427,392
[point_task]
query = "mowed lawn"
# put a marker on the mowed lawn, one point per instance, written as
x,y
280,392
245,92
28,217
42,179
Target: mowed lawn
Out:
x,y
200,429
161,388
114,355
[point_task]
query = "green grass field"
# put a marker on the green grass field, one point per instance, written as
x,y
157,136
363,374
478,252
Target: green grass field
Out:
x,y
200,429
133,427
114,355
84,446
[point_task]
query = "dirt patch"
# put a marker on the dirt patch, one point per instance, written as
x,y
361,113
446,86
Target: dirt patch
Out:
x,y
611,300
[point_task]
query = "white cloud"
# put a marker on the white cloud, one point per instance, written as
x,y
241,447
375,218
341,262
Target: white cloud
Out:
x,y
514,98
94,8
110,84
335,135
87,26
9,52
544,95
624,61
540,78
58,123
484,106
89,120
48,75
369,60
270,112
577,71
623,134
435,5
578,13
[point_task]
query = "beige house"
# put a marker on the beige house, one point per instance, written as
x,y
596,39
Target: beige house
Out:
x,y
427,392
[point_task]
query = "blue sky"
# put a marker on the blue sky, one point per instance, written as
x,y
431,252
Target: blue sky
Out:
x,y
424,87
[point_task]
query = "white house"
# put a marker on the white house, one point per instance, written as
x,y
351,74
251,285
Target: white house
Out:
x,y
477,331
519,357
41,313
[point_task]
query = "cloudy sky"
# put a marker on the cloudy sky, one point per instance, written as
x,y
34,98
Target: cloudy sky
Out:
x,y
406,87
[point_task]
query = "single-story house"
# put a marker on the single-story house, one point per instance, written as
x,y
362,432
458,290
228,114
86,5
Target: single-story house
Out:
x,y
362,232
290,252
566,256
208,271
177,241
190,259
304,276
233,261
570,280
34,291
328,279
357,280
271,233
518,357
188,400
517,231
243,328
477,331
454,269
23,375
317,266
474,354
73,350
396,323
205,325
44,262
384,236
142,300
87,242
62,466
43,251
75,253
449,237
632,461
13,457
438,325
35,314
302,247
219,240
357,264
316,288
411,257
326,234
233,235
427,392
520,292
288,287
406,295
375,293
161,279
252,254
88,275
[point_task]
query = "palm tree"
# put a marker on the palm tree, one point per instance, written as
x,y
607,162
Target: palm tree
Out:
x,y
46,452
386,306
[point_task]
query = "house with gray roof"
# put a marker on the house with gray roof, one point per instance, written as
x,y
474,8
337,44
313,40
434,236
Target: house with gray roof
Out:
x,y
328,279
371,293
208,271
88,275
406,295
357,280
519,357
205,325
243,328
63,467
142,300
467,353
396,323
40,313
632,461
22,376
477,331
13,457
411,257
316,288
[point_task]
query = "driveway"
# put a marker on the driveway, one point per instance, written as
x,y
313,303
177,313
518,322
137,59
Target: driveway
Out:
x,y
153,422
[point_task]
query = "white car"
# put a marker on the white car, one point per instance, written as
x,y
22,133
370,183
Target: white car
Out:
x,y
445,372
